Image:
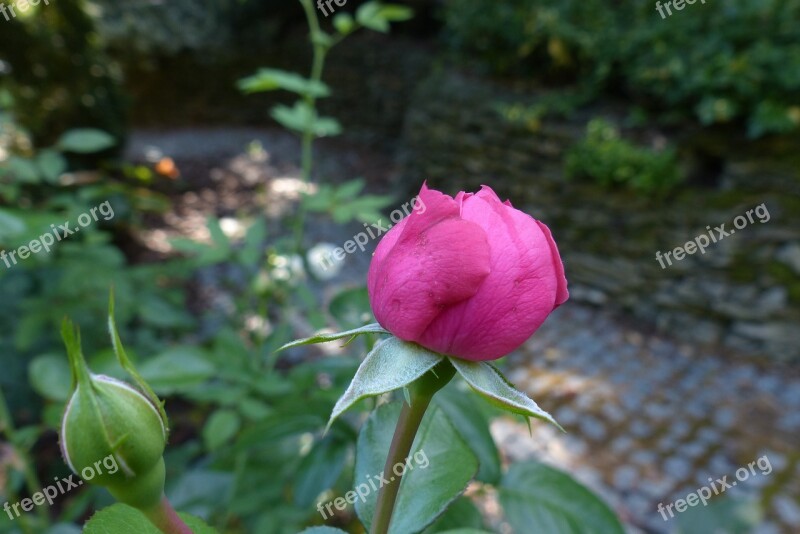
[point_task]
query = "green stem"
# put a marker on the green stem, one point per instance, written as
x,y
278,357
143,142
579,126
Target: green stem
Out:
x,y
31,479
421,394
166,519
307,153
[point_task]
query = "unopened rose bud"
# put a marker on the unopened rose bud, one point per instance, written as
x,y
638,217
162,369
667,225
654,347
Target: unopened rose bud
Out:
x,y
470,276
112,435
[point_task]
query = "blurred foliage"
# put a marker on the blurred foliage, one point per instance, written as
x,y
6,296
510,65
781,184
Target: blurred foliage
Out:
x,y
54,63
40,188
734,62
608,159
145,27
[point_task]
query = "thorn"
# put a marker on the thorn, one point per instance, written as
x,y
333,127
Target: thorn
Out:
x,y
407,395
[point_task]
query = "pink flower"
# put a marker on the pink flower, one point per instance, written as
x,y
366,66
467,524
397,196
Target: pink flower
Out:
x,y
469,277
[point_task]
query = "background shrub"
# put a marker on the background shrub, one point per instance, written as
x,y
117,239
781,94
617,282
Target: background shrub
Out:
x,y
611,161
714,63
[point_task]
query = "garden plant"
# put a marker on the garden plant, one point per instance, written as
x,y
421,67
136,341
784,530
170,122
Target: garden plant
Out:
x,y
225,369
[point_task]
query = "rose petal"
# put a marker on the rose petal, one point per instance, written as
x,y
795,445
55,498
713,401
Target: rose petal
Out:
x,y
562,294
513,300
430,263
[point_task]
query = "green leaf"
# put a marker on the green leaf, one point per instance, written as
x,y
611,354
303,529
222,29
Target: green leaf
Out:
x,y
51,165
272,79
539,498
473,425
276,427
301,118
154,310
490,383
461,516
323,530
123,519
297,118
63,528
319,470
23,170
377,16
391,365
177,370
442,465
252,253
10,225
325,127
727,514
220,428
50,377
85,141
396,12
368,15
349,189
197,489
365,209
197,525
119,519
217,234
373,328
465,531
205,254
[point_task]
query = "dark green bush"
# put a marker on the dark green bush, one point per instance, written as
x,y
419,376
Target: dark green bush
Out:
x,y
54,65
132,26
712,62
606,158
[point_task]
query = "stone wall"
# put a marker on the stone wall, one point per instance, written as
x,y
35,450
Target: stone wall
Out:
x,y
744,292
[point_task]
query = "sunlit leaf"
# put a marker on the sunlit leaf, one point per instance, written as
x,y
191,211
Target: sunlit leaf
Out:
x,y
85,141
273,79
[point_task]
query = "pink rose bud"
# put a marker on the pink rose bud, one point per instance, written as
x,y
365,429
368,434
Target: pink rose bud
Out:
x,y
470,277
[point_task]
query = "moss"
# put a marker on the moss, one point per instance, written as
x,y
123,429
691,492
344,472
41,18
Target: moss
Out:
x,y
782,275
743,271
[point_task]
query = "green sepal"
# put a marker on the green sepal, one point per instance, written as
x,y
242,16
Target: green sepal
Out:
x,y
391,365
71,336
373,328
125,363
490,383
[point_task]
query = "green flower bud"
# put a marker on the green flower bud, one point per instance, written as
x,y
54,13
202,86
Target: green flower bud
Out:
x,y
112,434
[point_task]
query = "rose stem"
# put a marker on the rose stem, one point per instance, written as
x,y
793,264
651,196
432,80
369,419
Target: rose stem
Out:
x,y
421,393
166,518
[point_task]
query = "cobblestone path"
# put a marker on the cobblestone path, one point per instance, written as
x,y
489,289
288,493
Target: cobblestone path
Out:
x,y
649,421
